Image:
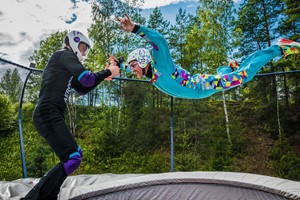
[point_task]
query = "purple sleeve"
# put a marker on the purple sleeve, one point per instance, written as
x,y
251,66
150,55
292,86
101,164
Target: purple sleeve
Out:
x,y
93,79
87,79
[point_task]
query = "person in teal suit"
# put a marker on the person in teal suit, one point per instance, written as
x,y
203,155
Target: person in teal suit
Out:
x,y
175,81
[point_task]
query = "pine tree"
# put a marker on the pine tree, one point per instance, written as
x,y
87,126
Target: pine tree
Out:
x,y
7,121
290,24
11,84
48,46
210,43
289,27
257,20
158,23
178,33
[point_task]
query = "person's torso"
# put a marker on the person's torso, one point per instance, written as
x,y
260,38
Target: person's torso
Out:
x,y
57,81
180,85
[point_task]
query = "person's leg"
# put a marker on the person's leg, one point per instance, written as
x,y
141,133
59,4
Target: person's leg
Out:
x,y
288,47
49,185
257,60
65,147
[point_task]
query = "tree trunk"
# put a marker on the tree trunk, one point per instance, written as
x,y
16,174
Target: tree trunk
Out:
x,y
72,113
226,118
278,113
119,105
286,90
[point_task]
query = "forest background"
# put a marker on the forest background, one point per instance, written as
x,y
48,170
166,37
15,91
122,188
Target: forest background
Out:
x,y
124,126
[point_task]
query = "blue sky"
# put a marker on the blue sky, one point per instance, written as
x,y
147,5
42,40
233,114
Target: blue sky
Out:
x,y
170,11
24,23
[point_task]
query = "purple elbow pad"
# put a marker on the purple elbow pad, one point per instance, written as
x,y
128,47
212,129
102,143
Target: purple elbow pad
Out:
x,y
87,79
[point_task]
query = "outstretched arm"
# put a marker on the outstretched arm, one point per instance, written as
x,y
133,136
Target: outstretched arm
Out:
x,y
161,53
126,24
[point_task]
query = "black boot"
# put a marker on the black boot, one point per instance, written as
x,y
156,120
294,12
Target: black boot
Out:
x,y
49,185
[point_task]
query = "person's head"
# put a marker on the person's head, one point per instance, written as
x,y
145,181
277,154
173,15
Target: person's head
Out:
x,y
139,61
78,43
233,64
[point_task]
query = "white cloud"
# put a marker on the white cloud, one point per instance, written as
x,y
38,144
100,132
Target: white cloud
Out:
x,y
153,4
25,23
156,3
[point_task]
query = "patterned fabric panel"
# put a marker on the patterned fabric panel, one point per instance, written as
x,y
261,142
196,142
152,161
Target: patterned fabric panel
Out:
x,y
207,81
155,75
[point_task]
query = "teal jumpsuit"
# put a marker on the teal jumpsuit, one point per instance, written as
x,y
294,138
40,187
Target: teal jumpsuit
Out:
x,y
178,82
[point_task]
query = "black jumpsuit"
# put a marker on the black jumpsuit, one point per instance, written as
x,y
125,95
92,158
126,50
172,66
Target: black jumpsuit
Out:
x,y
63,72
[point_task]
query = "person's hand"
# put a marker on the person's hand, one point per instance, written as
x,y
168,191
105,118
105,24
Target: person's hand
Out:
x,y
126,23
111,76
115,70
112,60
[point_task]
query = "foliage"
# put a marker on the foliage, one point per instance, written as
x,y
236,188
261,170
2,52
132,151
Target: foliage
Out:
x,y
177,38
8,116
33,87
158,23
11,84
124,127
10,165
285,161
290,25
47,47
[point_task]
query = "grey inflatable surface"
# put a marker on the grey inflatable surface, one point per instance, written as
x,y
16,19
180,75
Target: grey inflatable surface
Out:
x,y
164,186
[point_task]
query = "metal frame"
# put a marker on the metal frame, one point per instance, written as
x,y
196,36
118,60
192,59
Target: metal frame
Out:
x,y
31,69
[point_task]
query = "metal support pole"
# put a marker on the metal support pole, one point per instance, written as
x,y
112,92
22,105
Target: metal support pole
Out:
x,y
20,127
172,135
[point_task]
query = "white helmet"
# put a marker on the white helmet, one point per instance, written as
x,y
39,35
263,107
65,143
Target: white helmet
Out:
x,y
141,55
74,38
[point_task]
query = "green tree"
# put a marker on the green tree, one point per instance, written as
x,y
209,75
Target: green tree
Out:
x,y
178,37
157,22
216,32
257,20
33,87
102,33
48,46
216,29
10,165
11,84
195,50
209,43
8,116
289,28
290,25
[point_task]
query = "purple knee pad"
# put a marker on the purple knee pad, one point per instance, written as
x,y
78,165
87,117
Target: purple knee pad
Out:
x,y
73,162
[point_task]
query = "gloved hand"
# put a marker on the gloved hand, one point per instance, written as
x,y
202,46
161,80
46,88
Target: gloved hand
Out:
x,y
111,65
126,23
114,69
